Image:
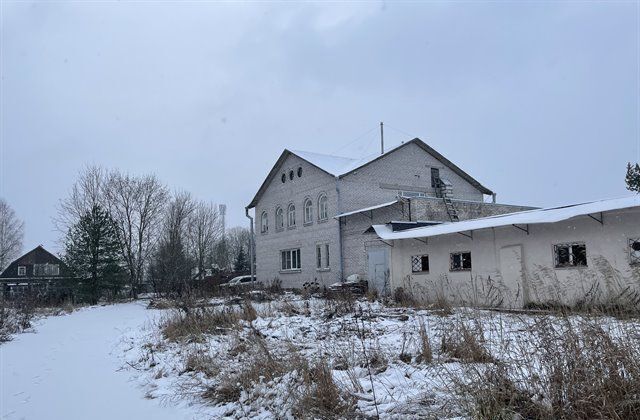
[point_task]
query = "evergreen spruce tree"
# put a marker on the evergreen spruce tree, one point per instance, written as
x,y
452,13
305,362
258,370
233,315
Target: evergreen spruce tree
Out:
x,y
241,263
93,253
633,177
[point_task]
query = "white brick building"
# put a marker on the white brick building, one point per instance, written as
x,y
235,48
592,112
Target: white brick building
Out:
x,y
314,213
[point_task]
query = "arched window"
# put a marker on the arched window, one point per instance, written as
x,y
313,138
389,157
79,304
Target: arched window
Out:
x,y
308,211
279,219
291,215
323,207
264,222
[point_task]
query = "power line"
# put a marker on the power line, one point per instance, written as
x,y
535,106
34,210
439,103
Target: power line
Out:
x,y
354,140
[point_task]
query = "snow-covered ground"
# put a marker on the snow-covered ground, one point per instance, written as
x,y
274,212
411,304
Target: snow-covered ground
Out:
x,y
70,367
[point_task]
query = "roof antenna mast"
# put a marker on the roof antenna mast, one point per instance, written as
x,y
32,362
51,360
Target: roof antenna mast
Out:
x,y
381,138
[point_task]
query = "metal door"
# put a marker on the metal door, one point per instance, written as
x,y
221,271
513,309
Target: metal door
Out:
x,y
378,260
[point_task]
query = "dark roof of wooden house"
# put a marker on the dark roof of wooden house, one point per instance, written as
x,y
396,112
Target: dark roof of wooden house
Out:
x,y
38,255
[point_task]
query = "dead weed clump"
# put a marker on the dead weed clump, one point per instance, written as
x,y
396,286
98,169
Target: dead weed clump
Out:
x,y
322,397
463,344
425,354
566,368
201,362
196,322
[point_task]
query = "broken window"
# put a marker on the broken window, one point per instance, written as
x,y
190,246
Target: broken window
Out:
x,y
460,261
420,264
570,255
634,251
290,259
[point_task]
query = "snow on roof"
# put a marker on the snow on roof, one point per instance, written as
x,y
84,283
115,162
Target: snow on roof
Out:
x,y
378,206
548,215
339,165
335,165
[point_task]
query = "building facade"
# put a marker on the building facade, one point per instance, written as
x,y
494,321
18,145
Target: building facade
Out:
x,y
314,213
581,254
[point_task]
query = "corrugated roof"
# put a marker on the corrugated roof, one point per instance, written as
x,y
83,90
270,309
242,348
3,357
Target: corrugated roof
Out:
x,y
530,217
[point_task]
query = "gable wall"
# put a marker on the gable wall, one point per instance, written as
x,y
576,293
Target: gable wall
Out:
x,y
268,246
409,167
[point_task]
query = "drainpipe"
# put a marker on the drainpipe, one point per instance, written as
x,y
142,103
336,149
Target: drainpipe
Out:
x,y
338,211
251,241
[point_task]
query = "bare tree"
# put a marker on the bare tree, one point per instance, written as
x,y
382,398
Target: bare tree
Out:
x,y
11,234
171,267
87,193
136,204
205,228
238,238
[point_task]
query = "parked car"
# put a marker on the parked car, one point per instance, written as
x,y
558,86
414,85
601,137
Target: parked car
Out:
x,y
241,281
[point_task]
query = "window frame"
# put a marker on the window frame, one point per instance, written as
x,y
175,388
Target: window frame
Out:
x,y
633,260
436,172
323,257
279,219
452,256
571,264
323,197
264,222
291,220
307,204
22,270
287,259
421,260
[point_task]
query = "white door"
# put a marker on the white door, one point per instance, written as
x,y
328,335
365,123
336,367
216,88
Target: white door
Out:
x,y
512,270
378,260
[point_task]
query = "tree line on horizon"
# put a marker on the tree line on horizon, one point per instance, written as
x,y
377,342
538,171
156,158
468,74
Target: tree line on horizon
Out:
x,y
120,231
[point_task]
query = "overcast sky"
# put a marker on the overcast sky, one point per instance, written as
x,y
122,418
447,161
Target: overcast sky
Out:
x,y
538,101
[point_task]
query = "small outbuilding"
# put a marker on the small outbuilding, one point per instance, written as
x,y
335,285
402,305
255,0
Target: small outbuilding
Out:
x,y
570,255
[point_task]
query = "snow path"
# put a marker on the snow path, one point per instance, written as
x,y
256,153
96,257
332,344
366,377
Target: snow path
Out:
x,y
69,369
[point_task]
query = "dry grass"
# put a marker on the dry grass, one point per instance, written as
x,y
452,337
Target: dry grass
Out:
x,y
426,354
196,322
463,344
322,397
563,368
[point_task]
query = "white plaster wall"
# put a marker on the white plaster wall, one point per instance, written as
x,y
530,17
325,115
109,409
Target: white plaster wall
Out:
x,y
607,274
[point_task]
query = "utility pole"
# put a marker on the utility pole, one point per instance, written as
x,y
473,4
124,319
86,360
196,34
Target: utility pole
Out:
x,y
381,138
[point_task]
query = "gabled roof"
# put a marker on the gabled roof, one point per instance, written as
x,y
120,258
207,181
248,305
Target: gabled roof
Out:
x,y
339,166
38,255
530,217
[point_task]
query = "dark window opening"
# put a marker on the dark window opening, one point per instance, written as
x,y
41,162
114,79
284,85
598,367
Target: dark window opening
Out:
x,y
634,251
299,172
420,264
570,255
461,261
291,175
435,177
283,178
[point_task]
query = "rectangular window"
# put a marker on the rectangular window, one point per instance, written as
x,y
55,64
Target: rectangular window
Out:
x,y
570,255
22,270
290,259
46,270
460,261
322,256
326,256
435,177
420,264
634,251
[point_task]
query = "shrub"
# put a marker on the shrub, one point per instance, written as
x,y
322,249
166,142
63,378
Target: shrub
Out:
x,y
195,322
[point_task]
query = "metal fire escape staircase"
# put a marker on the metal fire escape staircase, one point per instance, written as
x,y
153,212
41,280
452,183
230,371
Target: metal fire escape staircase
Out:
x,y
444,189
